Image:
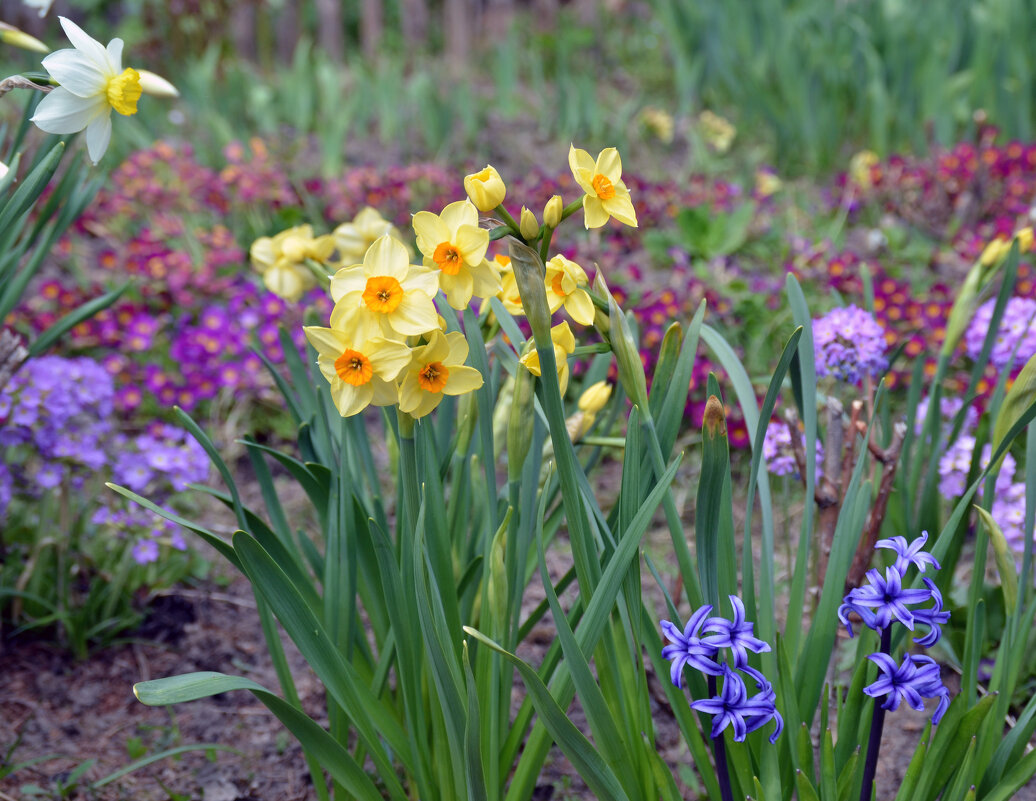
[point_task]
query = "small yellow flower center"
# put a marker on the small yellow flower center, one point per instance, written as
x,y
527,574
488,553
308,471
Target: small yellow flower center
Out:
x,y
558,286
448,257
354,368
124,91
383,294
603,187
432,377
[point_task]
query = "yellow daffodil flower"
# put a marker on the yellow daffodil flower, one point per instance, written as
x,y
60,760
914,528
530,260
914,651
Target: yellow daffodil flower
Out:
x,y
386,295
281,260
508,294
91,83
1024,237
593,399
361,371
997,248
485,188
353,238
718,132
564,345
454,244
437,369
606,194
860,166
565,281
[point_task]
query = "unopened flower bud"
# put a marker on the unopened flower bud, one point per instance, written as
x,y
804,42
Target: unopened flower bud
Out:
x,y
18,38
527,225
520,421
595,397
552,212
1024,237
485,188
155,85
715,420
529,272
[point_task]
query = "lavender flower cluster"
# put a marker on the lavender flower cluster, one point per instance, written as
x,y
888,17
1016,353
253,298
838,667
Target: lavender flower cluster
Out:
x,y
699,645
884,599
849,344
56,427
1017,330
780,456
1008,508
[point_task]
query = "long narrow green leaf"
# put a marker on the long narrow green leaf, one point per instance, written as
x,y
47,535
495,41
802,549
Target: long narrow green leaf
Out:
x,y
192,686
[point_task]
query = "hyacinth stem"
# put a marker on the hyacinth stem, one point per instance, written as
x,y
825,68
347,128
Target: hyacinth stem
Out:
x,y
877,723
720,747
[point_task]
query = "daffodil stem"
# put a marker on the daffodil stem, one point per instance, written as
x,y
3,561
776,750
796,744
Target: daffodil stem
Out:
x,y
510,221
877,723
572,208
590,350
546,235
719,746
408,474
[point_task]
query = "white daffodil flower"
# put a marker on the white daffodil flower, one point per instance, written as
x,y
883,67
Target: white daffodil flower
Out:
x,y
91,82
41,6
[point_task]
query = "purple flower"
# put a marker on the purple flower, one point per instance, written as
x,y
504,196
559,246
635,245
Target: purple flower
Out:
x,y
849,344
909,554
934,618
1017,329
732,707
689,647
778,453
49,475
880,600
145,552
736,634
917,678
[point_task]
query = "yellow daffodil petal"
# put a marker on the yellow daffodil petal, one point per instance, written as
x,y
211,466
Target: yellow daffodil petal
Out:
x,y
430,231
621,208
594,214
473,243
462,379
579,307
582,165
462,212
609,165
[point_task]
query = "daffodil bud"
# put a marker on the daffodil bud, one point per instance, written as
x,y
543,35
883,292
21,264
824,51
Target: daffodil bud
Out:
x,y
18,38
485,188
627,355
994,251
155,85
527,225
467,416
552,212
1024,237
529,272
497,589
520,421
595,397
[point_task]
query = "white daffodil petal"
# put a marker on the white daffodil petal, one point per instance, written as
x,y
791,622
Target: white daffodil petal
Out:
x,y
114,53
62,112
84,43
98,135
76,73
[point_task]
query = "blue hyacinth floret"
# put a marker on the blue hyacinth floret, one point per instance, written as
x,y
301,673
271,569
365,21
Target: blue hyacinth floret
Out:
x,y
884,599
699,645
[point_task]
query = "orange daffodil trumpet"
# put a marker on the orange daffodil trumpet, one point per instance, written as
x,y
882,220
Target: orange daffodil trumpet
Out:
x,y
606,195
453,244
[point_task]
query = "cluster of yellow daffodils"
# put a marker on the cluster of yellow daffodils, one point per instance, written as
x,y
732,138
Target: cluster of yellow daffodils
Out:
x,y
386,343
288,261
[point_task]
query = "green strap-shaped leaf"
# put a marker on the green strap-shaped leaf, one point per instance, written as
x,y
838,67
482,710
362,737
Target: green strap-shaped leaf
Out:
x,y
333,756
1004,560
579,750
